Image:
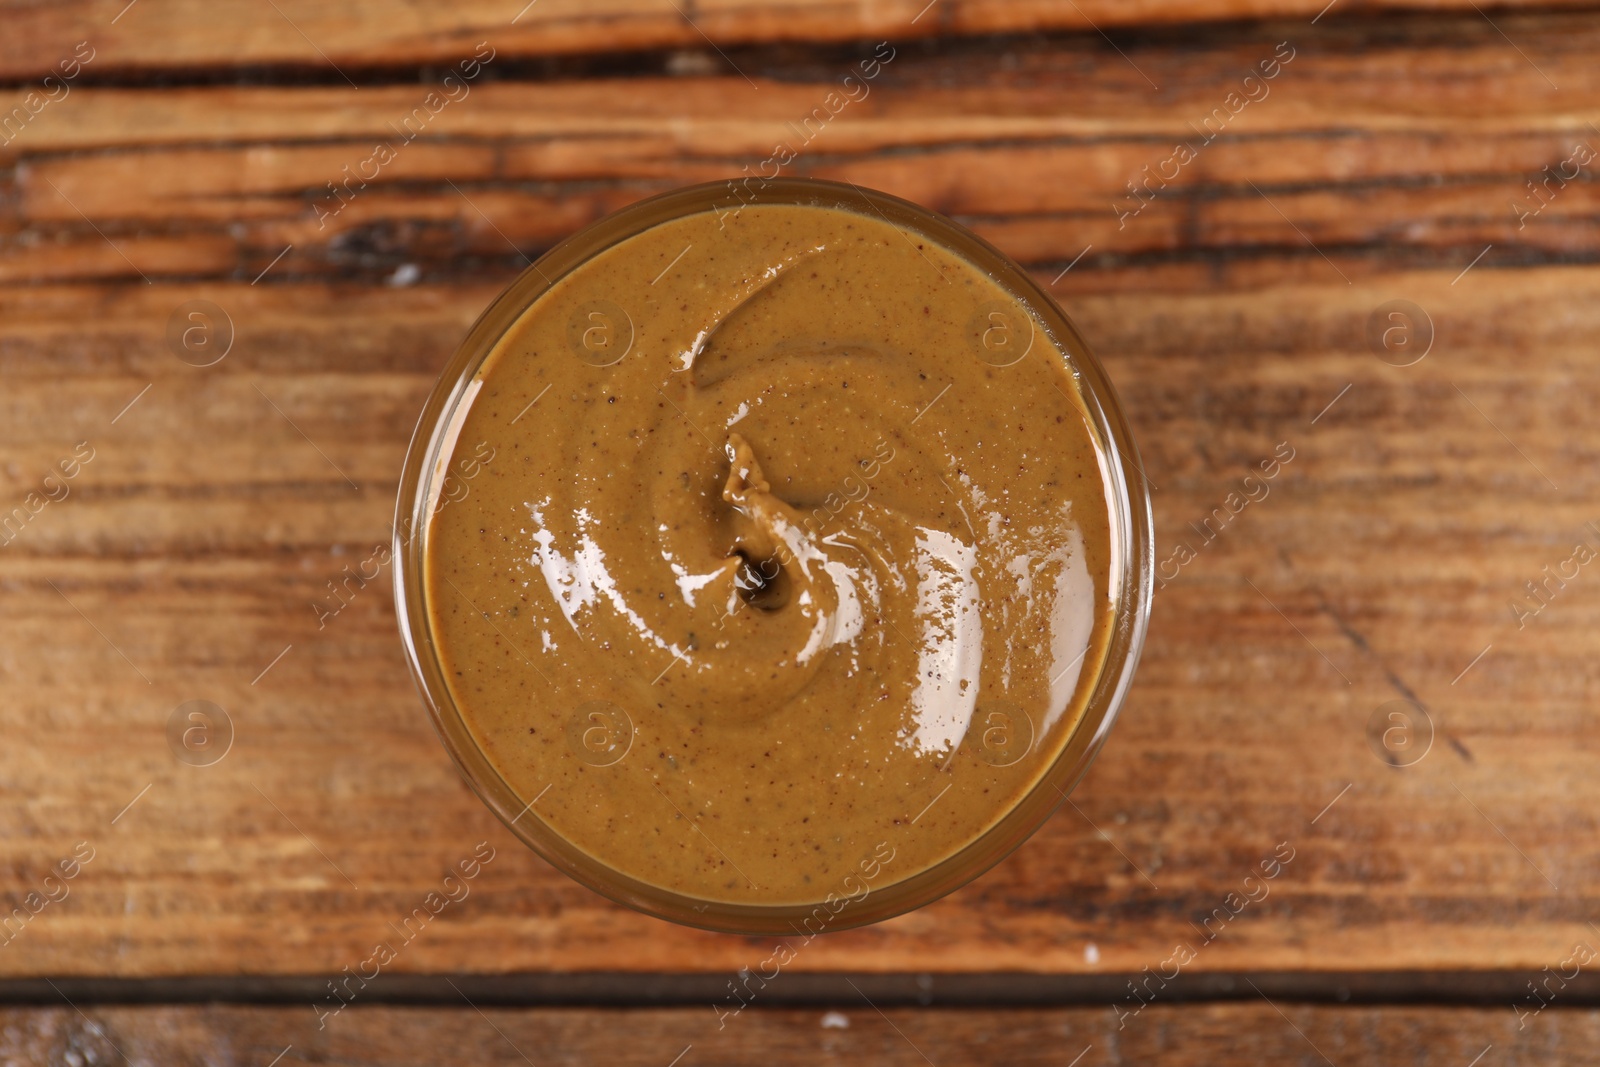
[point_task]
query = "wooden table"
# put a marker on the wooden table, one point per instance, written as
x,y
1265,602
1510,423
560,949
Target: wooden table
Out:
x,y
1244,299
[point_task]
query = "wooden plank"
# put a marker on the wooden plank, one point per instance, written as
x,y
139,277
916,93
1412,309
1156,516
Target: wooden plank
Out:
x,y
186,559
338,41
1415,142
1245,1033
1233,311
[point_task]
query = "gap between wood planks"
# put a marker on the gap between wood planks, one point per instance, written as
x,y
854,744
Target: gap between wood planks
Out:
x,y
814,61
617,989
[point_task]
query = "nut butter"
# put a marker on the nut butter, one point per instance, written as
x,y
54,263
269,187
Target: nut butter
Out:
x,y
808,569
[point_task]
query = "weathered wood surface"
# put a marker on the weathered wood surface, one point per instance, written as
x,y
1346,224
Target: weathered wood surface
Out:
x,y
1384,144
188,554
1248,1033
199,536
337,40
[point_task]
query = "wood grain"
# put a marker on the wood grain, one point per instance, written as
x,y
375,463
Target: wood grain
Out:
x,y
853,1033
1376,145
1234,313
1383,561
340,40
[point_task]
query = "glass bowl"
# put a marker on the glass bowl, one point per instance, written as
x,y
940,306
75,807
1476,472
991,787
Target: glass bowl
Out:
x,y
426,482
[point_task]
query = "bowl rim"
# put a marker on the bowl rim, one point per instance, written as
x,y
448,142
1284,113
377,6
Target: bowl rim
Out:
x,y
1127,494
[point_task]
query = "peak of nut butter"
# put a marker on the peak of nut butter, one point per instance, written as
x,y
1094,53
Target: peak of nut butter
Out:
x,y
795,522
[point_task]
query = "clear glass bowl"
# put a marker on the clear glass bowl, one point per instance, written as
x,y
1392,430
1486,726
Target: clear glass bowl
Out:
x,y
422,484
